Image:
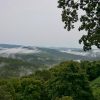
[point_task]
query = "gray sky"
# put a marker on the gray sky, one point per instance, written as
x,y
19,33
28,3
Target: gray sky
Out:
x,y
34,22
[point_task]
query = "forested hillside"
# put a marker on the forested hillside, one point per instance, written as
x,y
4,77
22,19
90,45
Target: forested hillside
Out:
x,y
67,81
16,68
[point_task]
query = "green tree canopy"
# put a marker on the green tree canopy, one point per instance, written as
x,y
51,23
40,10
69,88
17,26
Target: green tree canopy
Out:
x,y
69,80
90,21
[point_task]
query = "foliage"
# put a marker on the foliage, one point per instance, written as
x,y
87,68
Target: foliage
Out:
x,y
43,75
31,89
92,69
95,85
67,81
6,91
22,89
90,20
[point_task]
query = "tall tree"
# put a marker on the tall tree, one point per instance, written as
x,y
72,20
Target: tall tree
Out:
x,y
90,21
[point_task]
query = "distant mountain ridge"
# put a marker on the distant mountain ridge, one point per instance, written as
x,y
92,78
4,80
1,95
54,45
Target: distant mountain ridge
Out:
x,y
9,45
24,60
43,53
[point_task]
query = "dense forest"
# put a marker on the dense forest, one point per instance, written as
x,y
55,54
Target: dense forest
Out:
x,y
67,81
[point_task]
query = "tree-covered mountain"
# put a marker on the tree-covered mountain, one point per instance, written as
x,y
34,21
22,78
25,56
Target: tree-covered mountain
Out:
x,y
16,68
47,54
24,60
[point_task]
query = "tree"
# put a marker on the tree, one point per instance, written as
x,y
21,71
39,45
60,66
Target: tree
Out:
x,y
7,91
31,89
90,21
69,81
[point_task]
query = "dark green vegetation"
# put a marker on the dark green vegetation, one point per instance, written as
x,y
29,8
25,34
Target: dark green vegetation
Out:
x,y
95,84
90,19
66,81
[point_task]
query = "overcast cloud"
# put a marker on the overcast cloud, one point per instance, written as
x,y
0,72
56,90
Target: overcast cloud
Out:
x,y
34,22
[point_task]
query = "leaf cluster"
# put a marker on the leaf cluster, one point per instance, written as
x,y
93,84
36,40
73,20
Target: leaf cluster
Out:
x,y
90,21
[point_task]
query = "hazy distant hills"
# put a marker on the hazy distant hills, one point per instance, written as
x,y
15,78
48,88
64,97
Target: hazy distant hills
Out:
x,y
47,55
9,46
93,54
17,60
